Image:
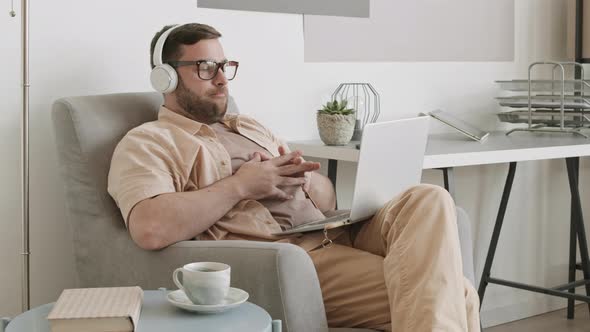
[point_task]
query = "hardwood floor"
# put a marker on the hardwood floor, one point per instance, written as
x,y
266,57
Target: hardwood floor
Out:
x,y
555,321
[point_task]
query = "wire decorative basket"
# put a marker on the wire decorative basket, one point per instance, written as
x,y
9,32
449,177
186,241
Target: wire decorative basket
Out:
x,y
364,99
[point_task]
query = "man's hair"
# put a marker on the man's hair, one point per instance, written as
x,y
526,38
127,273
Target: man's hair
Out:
x,y
187,34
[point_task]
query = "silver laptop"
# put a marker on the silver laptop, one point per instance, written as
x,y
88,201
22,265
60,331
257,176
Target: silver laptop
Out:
x,y
390,161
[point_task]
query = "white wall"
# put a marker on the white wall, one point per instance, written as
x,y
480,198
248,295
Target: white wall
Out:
x,y
10,247
82,47
437,30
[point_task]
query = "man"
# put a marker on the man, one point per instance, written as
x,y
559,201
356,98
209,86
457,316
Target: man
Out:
x,y
199,173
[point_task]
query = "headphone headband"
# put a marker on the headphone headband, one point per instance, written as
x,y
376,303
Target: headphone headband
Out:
x,y
159,48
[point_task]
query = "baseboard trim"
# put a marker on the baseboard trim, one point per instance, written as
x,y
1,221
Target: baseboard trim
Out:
x,y
532,306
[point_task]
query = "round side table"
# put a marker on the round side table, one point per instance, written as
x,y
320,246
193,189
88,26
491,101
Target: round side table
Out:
x,y
159,315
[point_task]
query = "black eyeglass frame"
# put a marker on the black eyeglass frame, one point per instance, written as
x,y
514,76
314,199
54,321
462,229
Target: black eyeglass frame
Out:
x,y
218,65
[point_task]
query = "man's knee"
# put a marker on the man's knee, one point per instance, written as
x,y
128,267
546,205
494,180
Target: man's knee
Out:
x,y
431,192
420,197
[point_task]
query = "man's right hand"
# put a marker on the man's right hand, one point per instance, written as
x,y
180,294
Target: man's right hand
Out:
x,y
260,179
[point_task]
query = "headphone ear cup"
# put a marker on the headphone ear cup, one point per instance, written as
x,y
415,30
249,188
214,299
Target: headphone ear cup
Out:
x,y
164,78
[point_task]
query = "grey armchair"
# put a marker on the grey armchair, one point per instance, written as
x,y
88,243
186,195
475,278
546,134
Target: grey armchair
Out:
x,y
279,277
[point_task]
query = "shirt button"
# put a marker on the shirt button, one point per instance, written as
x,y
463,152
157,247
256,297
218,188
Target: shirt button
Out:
x,y
223,163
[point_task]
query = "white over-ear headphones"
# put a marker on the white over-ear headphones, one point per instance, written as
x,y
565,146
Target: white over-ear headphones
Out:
x,y
163,77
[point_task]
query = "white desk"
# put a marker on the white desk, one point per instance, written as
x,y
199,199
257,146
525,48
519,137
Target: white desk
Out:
x,y
445,151
454,150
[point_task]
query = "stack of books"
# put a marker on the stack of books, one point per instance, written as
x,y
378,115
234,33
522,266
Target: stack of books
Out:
x,y
114,309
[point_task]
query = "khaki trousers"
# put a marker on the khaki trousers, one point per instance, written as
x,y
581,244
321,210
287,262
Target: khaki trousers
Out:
x,y
400,271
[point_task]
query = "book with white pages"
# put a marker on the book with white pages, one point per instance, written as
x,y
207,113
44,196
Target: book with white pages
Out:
x,y
112,309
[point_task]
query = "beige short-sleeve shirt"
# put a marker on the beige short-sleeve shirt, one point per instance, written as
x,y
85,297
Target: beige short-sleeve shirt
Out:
x,y
288,213
177,154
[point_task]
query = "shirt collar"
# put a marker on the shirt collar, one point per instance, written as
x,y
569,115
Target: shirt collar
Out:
x,y
189,125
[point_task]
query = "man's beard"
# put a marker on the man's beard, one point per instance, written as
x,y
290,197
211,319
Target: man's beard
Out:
x,y
201,109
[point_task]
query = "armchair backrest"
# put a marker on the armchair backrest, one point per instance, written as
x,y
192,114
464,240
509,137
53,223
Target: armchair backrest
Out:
x,y
87,130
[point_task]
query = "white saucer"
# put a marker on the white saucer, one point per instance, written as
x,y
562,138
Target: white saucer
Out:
x,y
234,298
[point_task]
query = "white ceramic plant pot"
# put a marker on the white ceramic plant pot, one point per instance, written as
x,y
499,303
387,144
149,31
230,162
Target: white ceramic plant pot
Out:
x,y
335,129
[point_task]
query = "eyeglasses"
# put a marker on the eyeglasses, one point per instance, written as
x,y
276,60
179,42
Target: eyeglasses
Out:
x,y
207,70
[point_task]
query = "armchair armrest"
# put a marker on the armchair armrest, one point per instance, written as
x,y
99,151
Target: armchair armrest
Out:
x,y
279,277
3,323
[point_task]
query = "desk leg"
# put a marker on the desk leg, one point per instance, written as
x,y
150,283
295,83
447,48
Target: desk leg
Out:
x,y
572,164
483,283
572,264
573,252
449,179
332,173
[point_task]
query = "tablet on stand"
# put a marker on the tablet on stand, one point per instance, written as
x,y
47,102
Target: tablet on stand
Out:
x,y
460,125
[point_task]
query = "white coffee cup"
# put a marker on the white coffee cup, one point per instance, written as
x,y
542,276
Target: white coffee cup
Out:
x,y
204,282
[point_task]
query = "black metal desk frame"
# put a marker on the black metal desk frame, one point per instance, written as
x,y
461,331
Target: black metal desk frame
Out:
x,y
448,176
577,233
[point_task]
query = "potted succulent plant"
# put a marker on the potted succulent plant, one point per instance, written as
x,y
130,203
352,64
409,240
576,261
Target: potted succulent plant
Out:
x,y
336,122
